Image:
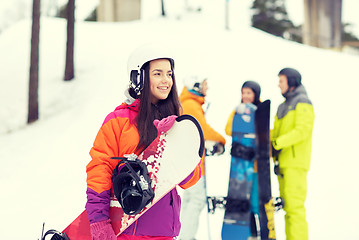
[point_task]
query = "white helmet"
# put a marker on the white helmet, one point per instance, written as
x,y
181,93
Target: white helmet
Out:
x,y
194,82
139,57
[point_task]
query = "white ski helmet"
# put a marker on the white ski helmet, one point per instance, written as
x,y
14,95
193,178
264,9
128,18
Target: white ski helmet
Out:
x,y
194,82
139,57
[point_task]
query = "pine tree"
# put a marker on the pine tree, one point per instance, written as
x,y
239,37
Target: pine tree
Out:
x,y
271,16
347,35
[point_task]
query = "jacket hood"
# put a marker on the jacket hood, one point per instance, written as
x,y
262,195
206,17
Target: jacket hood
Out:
x,y
300,90
296,91
125,110
134,106
298,95
187,95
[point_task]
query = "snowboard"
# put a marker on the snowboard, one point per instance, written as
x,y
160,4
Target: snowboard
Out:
x,y
267,205
237,217
170,158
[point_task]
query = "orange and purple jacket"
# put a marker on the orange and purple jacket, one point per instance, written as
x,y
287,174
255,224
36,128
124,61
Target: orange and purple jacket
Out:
x,y
118,136
192,105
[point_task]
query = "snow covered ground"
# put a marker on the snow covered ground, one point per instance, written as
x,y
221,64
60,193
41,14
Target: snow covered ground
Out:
x,y
42,174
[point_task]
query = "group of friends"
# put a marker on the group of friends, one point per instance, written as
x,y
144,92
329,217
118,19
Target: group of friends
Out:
x,y
152,94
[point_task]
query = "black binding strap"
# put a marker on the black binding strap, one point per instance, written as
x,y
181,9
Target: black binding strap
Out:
x,y
240,151
237,205
191,118
56,235
132,185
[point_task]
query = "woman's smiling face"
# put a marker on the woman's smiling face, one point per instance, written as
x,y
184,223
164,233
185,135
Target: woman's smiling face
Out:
x,y
160,79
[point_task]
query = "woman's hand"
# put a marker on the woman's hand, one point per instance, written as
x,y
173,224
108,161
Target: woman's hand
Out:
x,y
102,231
165,124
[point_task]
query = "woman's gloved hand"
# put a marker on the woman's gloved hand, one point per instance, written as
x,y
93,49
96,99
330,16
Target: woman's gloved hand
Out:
x,y
102,230
165,124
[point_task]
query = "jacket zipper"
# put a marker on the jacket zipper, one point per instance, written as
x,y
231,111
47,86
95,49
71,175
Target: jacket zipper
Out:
x,y
173,214
135,228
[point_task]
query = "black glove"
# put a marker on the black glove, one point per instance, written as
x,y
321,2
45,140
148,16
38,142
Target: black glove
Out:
x,y
275,152
215,149
218,149
276,169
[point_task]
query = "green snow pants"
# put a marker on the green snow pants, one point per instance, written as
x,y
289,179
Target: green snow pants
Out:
x,y
293,190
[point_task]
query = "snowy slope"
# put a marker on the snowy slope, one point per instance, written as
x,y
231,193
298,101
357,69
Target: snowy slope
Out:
x,y
42,174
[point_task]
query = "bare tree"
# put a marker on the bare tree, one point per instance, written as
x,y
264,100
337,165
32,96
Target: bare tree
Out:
x,y
69,66
163,12
33,107
226,15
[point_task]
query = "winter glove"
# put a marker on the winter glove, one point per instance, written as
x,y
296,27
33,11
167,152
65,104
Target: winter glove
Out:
x,y
218,149
275,152
102,231
276,169
245,108
165,124
240,108
214,148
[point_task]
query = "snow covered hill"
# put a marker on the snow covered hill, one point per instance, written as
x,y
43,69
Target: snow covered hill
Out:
x,y
42,174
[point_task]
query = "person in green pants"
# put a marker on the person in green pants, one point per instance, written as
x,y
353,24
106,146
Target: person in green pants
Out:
x,y
291,139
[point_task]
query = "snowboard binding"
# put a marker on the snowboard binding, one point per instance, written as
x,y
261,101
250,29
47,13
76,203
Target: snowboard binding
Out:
x,y
278,203
214,202
230,204
132,184
240,151
56,235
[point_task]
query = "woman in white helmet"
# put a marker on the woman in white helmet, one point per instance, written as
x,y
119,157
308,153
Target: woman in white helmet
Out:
x,y
152,94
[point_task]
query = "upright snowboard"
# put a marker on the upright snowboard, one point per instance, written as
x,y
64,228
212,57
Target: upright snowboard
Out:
x,y
266,204
170,158
237,217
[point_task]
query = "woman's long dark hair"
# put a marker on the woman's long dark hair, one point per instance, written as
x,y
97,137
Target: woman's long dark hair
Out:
x,y
148,112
